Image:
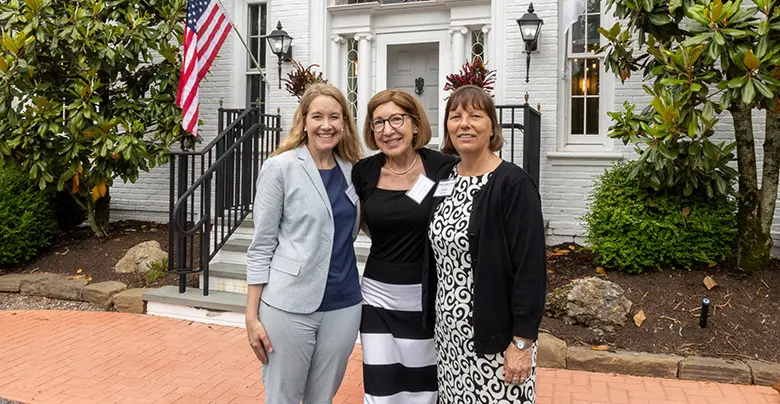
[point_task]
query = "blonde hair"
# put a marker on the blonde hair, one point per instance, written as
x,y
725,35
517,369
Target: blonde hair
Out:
x,y
470,96
349,145
410,105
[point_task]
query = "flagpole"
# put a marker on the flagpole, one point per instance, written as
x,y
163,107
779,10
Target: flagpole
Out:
x,y
243,42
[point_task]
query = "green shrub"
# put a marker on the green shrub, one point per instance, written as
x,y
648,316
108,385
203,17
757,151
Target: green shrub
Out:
x,y
635,229
156,270
26,222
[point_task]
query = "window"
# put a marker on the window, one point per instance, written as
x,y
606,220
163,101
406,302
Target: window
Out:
x,y
352,75
477,45
588,87
255,90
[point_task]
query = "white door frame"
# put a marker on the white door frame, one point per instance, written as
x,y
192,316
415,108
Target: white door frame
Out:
x,y
442,37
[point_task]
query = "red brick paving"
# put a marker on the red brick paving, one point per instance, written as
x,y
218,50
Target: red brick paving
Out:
x,y
97,357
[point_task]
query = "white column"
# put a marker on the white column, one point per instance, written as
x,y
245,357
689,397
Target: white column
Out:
x,y
335,60
485,30
364,76
458,47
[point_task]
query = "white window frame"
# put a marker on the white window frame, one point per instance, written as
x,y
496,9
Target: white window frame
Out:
x,y
567,141
351,78
248,71
240,69
470,43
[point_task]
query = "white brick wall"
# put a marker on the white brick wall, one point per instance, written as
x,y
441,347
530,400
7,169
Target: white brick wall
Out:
x,y
564,188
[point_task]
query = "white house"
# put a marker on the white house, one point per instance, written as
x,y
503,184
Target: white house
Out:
x,y
366,46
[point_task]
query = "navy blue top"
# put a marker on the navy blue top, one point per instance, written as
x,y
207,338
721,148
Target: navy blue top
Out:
x,y
343,287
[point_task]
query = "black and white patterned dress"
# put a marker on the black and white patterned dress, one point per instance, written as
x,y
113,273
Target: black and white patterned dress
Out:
x,y
464,376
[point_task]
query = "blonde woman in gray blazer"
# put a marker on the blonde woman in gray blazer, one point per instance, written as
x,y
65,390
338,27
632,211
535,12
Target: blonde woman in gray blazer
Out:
x,y
303,298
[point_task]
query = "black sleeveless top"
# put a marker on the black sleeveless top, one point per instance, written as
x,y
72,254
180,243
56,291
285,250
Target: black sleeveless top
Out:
x,y
398,225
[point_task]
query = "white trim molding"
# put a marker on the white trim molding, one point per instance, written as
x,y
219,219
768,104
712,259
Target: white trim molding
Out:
x,y
602,159
364,74
458,46
335,59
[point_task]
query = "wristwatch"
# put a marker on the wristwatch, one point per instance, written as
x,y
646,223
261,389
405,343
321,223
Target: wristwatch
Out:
x,y
521,344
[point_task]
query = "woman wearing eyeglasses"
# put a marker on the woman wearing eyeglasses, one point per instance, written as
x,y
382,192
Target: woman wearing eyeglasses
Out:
x,y
395,187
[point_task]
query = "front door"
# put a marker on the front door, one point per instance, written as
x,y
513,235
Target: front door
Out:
x,y
415,68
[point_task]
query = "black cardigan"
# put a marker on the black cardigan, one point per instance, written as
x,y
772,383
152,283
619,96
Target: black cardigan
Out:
x,y
365,173
507,246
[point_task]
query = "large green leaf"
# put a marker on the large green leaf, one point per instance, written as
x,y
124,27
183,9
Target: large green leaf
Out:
x,y
763,89
698,39
674,5
748,92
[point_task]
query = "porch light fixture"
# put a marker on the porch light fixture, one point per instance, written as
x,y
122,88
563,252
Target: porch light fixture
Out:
x,y
279,41
530,26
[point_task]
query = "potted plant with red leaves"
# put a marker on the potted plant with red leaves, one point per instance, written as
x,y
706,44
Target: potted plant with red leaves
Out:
x,y
474,73
299,79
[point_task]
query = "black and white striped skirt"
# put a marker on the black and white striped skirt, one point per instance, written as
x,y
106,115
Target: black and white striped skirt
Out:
x,y
399,360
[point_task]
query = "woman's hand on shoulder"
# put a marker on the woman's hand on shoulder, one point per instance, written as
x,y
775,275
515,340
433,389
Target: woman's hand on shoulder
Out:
x,y
258,340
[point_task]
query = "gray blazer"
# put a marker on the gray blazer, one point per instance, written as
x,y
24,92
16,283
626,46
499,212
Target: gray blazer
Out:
x,y
293,238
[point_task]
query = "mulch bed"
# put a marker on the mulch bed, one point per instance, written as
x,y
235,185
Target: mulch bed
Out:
x,y
744,318
96,257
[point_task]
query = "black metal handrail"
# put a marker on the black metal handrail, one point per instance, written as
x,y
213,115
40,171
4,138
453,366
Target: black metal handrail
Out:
x,y
224,187
529,129
204,180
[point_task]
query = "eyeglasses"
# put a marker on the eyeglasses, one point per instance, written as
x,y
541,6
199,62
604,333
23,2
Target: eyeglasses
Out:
x,y
395,121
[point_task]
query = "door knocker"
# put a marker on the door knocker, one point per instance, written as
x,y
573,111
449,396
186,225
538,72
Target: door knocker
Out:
x,y
419,84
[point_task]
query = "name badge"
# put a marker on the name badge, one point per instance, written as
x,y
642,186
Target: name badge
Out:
x,y
352,195
420,189
445,188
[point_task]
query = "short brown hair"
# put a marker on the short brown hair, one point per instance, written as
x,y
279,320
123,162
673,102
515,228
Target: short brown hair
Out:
x,y
473,97
410,105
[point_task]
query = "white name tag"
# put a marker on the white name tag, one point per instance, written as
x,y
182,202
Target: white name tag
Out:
x,y
351,194
444,188
420,189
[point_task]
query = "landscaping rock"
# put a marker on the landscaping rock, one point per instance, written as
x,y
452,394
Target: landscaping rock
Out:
x,y
591,302
131,301
713,369
764,374
551,352
101,293
138,257
31,284
67,289
11,283
631,363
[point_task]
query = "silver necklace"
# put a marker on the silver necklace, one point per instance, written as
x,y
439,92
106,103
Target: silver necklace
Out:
x,y
405,171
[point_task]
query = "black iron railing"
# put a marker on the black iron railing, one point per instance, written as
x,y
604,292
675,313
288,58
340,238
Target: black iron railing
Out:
x,y
211,190
521,121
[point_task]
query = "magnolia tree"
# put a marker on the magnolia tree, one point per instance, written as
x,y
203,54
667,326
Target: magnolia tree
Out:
x,y
87,92
700,58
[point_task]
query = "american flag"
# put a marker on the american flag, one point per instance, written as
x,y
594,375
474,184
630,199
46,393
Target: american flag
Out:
x,y
206,30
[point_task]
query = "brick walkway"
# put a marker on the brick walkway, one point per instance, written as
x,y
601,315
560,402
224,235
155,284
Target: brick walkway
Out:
x,y
97,357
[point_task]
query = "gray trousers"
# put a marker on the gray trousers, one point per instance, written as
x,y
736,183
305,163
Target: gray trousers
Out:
x,y
310,354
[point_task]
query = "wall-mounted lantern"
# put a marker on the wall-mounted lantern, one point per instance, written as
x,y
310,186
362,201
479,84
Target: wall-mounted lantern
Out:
x,y
530,27
279,41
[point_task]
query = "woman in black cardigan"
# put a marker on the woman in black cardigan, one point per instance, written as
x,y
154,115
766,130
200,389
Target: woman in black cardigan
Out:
x,y
486,279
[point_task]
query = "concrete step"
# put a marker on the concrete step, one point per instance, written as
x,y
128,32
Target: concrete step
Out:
x,y
227,270
240,245
223,308
226,277
230,277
